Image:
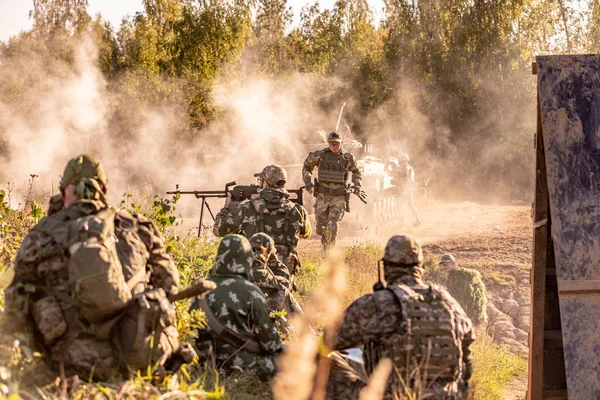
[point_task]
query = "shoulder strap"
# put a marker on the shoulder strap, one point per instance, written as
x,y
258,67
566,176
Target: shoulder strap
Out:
x,y
231,337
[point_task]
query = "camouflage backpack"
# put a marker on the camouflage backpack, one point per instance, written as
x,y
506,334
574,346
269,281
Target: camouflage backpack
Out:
x,y
95,272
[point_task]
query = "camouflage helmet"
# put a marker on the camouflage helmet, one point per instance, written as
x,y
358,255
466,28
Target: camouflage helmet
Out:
x,y
274,175
404,157
447,258
262,242
234,256
403,250
83,166
334,137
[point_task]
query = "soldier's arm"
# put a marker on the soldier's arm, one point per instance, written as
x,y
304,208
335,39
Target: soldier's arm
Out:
x,y
279,270
264,328
356,174
468,340
305,226
164,274
229,220
366,319
309,165
37,250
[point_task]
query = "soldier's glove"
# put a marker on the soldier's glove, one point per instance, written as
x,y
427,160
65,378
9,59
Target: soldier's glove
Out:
x,y
308,185
355,189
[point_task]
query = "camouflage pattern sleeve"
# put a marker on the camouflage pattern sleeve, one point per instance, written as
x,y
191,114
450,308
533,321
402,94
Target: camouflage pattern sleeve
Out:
x,y
465,326
264,328
38,251
368,317
305,227
164,273
356,174
279,269
229,221
310,163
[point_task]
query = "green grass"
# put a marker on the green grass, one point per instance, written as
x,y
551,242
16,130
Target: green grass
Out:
x,y
494,368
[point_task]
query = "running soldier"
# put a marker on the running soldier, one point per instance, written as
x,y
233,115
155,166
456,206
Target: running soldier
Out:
x,y
334,167
271,212
420,327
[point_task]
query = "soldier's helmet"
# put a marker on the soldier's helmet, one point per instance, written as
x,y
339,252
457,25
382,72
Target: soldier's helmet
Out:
x,y
274,175
334,137
447,258
83,166
404,158
263,243
403,250
234,256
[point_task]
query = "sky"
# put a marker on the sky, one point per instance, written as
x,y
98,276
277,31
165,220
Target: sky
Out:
x,y
14,14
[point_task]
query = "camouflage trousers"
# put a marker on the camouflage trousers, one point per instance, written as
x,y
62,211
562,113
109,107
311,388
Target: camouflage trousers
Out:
x,y
87,357
329,211
230,359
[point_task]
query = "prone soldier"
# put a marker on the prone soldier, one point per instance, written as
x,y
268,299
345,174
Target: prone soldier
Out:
x,y
334,167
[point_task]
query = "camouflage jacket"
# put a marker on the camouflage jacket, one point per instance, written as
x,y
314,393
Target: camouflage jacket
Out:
x,y
272,213
241,306
41,284
314,159
275,287
377,321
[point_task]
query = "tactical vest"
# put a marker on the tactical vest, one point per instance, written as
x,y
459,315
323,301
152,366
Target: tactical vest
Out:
x,y
274,219
333,167
432,342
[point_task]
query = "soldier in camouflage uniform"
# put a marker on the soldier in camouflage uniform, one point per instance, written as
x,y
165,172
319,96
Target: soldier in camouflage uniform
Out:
x,y
241,311
270,212
334,165
403,178
275,286
40,298
420,327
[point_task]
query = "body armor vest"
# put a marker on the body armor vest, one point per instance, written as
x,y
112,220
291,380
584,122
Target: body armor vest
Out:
x,y
431,344
274,220
333,168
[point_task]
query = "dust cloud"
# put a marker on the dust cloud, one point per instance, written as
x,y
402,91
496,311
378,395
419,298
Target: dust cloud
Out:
x,y
69,108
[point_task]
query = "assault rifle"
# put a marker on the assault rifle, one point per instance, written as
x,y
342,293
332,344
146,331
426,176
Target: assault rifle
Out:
x,y
238,193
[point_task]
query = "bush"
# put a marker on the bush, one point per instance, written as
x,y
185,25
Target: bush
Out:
x,y
466,286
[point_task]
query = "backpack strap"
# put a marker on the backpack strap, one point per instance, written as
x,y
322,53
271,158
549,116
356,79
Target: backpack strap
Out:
x,y
231,337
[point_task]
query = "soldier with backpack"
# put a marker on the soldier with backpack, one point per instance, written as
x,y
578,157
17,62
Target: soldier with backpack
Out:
x,y
420,327
92,284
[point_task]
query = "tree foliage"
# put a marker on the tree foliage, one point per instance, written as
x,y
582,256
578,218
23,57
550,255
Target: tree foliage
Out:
x,y
462,65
